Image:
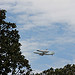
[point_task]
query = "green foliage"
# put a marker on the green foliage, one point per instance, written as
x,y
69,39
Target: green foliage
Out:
x,y
67,70
11,58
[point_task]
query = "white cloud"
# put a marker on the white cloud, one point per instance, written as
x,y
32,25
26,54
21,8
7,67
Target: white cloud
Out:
x,y
35,71
27,50
52,11
63,40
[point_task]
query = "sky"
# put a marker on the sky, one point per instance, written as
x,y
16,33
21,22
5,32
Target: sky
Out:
x,y
44,24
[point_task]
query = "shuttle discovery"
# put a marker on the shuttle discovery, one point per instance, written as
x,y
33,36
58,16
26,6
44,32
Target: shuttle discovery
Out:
x,y
44,52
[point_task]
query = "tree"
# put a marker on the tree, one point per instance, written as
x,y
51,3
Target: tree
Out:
x,y
11,59
66,70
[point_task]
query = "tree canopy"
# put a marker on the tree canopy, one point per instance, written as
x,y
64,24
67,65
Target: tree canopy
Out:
x,y
11,59
66,70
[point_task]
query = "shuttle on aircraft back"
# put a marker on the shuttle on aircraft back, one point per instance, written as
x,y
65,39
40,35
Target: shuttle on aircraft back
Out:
x,y
44,52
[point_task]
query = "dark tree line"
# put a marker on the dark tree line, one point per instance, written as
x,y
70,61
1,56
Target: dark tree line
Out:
x,y
66,70
11,59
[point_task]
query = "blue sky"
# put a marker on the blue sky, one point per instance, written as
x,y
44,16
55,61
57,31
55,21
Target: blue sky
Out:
x,y
44,24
